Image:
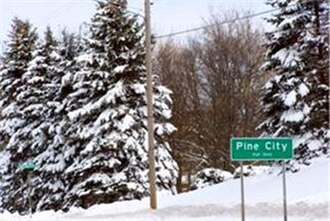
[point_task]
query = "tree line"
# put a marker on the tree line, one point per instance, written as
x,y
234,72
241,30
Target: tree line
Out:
x,y
77,106
233,81
77,109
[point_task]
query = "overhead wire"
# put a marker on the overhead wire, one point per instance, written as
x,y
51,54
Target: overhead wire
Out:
x,y
222,23
213,24
66,6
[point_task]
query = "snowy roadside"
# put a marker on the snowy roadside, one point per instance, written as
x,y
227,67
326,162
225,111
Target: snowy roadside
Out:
x,y
262,211
308,200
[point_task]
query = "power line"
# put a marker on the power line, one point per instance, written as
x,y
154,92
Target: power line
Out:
x,y
224,22
218,23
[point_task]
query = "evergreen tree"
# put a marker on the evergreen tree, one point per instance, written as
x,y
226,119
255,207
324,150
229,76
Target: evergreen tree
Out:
x,y
107,140
18,54
43,81
34,104
52,160
296,57
316,55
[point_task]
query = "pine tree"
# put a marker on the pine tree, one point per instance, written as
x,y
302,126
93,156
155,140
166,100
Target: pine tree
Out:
x,y
20,46
42,89
289,97
107,141
34,103
316,48
21,43
52,160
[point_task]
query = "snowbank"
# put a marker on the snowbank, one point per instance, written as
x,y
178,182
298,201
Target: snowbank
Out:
x,y
308,200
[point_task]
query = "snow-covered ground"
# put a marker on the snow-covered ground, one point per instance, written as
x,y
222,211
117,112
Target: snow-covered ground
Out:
x,y
308,200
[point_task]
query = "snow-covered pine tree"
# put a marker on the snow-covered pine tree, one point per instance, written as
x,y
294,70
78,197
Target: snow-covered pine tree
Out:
x,y
289,96
35,105
108,137
18,54
316,54
41,105
52,161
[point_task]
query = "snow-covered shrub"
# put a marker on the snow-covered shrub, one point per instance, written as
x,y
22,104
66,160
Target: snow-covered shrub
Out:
x,y
209,177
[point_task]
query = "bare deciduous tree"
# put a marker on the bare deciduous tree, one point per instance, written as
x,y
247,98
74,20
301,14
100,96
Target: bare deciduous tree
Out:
x,y
215,83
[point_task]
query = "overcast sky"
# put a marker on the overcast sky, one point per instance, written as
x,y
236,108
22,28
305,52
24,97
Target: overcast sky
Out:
x,y
167,15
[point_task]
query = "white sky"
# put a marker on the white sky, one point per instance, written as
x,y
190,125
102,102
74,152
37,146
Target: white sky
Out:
x,y
167,15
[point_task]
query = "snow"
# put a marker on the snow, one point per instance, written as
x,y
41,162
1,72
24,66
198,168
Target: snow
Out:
x,y
139,88
109,98
268,85
85,58
99,177
126,123
314,145
67,78
307,191
288,57
164,128
292,116
290,98
303,89
120,69
4,159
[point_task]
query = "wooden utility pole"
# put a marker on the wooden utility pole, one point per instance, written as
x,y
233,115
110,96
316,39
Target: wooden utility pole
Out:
x,y
152,170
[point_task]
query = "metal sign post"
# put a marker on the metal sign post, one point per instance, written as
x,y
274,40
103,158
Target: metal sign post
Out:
x,y
29,167
30,191
259,149
242,192
284,193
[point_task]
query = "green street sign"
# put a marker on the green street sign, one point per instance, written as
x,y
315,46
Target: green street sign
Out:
x,y
28,166
248,149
